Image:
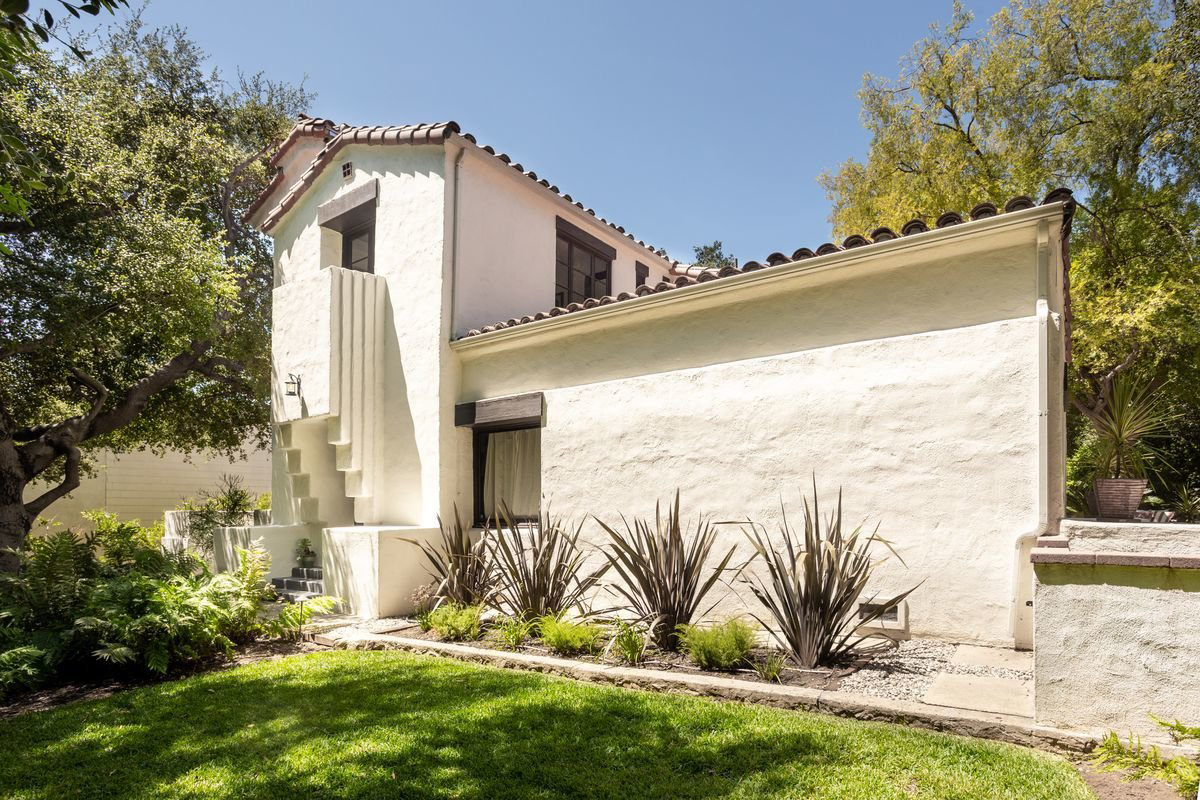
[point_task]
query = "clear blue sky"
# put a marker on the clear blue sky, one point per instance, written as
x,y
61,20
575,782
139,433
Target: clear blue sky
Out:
x,y
682,121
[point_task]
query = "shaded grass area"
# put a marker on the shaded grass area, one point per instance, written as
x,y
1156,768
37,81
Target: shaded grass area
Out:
x,y
391,725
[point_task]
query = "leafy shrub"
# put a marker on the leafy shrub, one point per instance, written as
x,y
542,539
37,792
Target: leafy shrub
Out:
x,y
663,573
629,642
814,584
771,667
292,617
263,503
1138,761
455,622
513,631
567,637
113,599
720,647
538,567
461,568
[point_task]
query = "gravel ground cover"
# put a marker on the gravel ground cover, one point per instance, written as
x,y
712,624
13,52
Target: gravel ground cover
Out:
x,y
907,672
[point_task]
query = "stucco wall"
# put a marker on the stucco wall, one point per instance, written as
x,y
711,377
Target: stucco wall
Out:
x,y
913,382
1115,644
506,243
409,255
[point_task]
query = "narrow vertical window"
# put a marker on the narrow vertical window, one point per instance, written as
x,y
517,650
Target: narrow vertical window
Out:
x,y
358,248
643,274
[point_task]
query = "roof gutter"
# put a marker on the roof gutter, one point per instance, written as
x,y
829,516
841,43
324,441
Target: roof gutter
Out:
x,y
760,278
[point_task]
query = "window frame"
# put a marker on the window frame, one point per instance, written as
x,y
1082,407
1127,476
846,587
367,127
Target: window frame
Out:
x,y
348,237
479,440
641,274
578,239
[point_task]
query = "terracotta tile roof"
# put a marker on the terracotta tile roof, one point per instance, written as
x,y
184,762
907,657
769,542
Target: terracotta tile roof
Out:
x,y
691,275
340,136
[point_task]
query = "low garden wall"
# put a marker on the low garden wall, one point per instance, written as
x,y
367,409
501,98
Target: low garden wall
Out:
x,y
373,569
1117,626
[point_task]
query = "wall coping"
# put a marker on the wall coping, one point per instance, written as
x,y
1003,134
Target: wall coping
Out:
x,y
1058,554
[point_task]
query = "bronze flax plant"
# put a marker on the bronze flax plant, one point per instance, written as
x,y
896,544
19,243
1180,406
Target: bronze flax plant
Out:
x,y
538,566
663,571
813,585
461,567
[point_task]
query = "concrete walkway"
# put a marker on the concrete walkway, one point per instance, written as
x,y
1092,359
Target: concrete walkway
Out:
x,y
990,693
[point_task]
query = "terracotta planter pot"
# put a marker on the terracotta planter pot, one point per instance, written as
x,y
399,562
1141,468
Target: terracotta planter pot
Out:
x,y
1119,498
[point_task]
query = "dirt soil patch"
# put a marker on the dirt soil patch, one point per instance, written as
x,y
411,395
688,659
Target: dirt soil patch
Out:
x,y
64,694
827,679
1113,786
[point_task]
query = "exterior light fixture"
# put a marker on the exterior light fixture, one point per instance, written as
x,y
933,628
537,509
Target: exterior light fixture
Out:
x,y
292,385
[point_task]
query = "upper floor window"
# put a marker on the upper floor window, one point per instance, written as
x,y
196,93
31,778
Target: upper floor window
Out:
x,y
358,248
583,265
643,274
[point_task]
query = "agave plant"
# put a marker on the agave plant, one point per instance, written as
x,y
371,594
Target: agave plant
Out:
x,y
664,574
462,568
538,566
813,584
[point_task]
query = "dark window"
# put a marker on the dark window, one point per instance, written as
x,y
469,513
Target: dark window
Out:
x,y
358,248
582,266
642,272
508,470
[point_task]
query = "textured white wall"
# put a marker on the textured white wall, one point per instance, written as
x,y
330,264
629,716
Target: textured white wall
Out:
x,y
912,382
506,244
417,386
1115,644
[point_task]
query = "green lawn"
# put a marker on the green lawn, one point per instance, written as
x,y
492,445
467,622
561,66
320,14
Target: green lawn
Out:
x,y
380,725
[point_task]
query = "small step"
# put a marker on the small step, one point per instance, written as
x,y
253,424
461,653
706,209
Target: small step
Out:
x,y
297,585
312,573
292,454
298,596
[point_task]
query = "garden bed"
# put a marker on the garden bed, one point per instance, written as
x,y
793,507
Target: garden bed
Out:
x,y
822,678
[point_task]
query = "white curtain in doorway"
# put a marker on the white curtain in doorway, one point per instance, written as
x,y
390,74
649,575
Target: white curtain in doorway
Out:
x,y
513,472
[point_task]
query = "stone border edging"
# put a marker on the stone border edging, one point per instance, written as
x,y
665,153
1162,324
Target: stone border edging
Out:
x,y
1056,554
998,727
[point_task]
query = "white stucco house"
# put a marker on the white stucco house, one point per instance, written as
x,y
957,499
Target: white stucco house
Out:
x,y
450,329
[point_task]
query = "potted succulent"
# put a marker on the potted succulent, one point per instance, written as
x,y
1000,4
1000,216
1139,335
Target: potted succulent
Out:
x,y
305,555
1125,413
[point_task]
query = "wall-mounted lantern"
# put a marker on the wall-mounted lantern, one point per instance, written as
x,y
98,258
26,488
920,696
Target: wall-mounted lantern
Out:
x,y
292,385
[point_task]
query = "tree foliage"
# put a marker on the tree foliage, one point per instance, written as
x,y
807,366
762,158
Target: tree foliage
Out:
x,y
1097,95
713,256
136,303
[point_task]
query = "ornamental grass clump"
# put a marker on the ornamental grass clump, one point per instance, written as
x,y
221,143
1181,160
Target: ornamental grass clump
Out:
x,y
664,572
813,584
629,642
723,647
513,631
461,567
569,637
538,567
456,623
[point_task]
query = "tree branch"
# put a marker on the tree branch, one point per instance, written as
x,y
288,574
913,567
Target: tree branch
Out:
x,y
70,483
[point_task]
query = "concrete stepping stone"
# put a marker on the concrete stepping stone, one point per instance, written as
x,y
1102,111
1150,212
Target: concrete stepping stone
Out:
x,y
982,693
979,656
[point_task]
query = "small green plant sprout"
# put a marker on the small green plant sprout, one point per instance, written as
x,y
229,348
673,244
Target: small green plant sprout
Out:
x,y
629,641
1138,761
569,637
424,599
513,631
456,623
723,647
770,667
263,503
